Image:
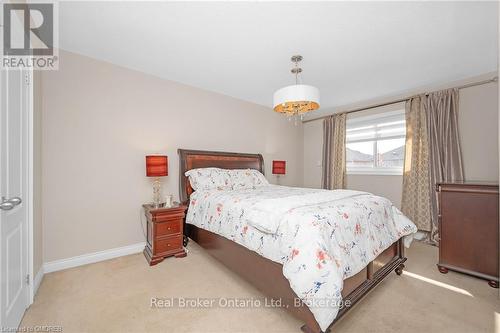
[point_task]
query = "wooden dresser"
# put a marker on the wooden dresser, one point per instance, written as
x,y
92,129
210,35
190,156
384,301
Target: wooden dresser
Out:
x,y
164,232
468,229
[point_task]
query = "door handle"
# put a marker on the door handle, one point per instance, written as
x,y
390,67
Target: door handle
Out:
x,y
6,205
15,201
9,204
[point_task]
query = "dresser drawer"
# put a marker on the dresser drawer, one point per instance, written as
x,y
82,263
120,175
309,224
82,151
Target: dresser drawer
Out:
x,y
168,244
168,228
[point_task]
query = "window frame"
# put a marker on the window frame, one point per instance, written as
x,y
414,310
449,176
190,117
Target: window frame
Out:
x,y
375,169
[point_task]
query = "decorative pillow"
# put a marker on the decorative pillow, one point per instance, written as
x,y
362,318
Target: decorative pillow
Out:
x,y
247,178
209,179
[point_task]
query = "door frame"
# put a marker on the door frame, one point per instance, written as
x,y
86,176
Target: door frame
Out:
x,y
30,200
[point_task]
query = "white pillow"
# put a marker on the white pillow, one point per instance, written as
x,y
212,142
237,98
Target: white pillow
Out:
x,y
247,178
209,179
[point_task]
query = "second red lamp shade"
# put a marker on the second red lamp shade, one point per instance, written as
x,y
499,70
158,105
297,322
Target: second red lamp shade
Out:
x,y
279,167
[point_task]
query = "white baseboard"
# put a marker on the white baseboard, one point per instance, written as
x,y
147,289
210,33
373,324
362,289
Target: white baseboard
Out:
x,y
38,280
90,258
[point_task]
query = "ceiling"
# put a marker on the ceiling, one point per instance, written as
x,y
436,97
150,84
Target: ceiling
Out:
x,y
353,51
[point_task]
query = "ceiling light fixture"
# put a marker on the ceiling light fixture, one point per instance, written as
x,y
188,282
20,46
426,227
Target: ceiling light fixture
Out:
x,y
296,100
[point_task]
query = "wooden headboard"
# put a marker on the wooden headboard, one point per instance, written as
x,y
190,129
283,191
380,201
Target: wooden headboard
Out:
x,y
193,159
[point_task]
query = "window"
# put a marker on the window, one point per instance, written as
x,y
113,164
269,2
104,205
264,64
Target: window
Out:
x,y
376,144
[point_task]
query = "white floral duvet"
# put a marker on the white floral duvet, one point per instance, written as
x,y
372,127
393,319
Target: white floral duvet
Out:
x,y
321,237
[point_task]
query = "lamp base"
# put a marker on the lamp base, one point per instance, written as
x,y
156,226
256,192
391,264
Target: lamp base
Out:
x,y
156,205
156,193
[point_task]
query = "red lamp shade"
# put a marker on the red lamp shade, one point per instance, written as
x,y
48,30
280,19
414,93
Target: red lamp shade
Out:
x,y
279,167
156,166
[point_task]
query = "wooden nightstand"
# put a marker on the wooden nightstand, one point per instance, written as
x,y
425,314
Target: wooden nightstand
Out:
x,y
164,232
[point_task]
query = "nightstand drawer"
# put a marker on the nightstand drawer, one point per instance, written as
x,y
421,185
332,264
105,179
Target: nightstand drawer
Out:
x,y
168,228
168,244
167,216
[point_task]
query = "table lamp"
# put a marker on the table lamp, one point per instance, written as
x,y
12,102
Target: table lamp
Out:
x,y
156,166
279,168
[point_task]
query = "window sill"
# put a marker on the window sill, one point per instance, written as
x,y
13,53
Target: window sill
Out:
x,y
375,172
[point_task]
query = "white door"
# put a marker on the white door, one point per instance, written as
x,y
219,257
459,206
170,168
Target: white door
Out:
x,y
14,292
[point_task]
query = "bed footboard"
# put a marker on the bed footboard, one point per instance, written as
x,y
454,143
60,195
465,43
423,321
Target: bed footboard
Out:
x,y
268,278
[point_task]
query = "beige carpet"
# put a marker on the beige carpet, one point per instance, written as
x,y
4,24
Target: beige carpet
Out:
x,y
115,295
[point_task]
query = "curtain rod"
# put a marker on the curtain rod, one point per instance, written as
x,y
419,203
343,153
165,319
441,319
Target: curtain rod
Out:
x,y
403,99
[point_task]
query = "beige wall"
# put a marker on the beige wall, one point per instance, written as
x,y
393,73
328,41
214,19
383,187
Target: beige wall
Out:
x,y
313,145
37,173
388,186
100,120
478,125
478,122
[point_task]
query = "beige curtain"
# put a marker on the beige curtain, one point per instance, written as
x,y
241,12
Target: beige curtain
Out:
x,y
333,175
445,157
433,155
416,192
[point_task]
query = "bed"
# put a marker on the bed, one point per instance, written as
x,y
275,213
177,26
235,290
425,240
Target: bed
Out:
x,y
268,275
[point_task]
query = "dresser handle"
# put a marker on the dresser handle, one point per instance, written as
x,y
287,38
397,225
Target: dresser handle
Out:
x,y
168,245
168,228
